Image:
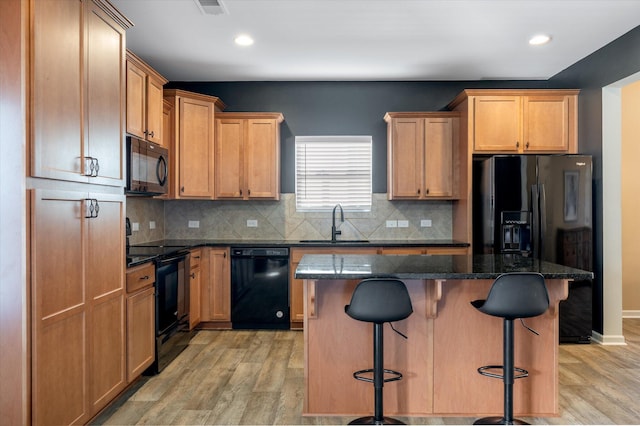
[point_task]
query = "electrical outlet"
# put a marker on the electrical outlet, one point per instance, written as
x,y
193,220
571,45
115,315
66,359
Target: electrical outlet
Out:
x,y
425,223
152,224
252,223
135,226
392,224
403,224
194,224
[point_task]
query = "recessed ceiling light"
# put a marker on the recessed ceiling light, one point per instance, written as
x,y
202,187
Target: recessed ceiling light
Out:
x,y
244,40
539,39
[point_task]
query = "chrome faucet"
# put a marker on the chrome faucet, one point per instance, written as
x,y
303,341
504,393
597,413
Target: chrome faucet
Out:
x,y
334,231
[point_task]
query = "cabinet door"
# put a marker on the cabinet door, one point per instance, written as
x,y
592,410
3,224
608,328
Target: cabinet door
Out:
x,y
136,100
406,154
105,95
262,159
56,106
141,342
196,148
228,158
219,283
105,289
58,308
154,110
497,123
546,123
438,157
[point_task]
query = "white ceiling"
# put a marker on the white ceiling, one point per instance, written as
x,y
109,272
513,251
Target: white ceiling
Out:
x,y
298,40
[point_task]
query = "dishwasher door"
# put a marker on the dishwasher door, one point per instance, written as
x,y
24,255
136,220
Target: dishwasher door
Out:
x,y
260,288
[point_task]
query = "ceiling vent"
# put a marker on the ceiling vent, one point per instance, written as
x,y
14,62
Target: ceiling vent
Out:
x,y
211,7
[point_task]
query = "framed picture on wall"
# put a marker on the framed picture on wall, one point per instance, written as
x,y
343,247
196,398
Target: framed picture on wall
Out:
x,y
571,182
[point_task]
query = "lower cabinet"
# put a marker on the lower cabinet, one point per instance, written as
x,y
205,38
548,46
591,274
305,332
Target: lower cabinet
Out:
x,y
216,287
195,284
140,319
77,303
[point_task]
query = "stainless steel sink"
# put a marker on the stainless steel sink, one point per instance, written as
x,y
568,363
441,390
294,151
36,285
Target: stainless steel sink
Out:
x,y
333,242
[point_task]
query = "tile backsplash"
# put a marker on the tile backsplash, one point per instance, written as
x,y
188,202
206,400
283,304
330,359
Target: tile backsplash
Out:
x,y
279,220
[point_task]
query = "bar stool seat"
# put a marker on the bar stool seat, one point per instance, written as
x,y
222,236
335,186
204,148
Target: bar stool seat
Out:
x,y
512,296
378,301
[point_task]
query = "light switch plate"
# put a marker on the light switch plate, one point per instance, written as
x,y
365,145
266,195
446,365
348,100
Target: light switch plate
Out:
x,y
194,224
135,226
425,223
252,223
152,224
392,224
403,224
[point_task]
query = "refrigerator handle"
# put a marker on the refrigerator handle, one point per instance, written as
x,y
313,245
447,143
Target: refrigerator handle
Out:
x,y
543,218
535,222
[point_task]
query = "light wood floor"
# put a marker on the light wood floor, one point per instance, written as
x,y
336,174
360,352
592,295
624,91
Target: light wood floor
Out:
x,y
256,377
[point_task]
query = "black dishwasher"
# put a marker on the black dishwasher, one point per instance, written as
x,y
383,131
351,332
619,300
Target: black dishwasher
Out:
x,y
260,288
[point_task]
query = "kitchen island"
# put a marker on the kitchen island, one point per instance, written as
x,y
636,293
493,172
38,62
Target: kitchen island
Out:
x,y
447,341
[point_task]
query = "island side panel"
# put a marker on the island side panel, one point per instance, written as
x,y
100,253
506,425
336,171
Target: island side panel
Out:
x,y
337,345
465,339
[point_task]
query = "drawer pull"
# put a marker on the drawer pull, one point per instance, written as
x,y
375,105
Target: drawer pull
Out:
x,y
146,277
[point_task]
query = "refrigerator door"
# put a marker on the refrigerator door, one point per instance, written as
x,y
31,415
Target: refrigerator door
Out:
x,y
564,191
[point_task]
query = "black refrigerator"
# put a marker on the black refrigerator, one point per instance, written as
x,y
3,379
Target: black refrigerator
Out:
x,y
539,206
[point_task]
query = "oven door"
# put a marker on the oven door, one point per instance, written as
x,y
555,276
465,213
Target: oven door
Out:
x,y
172,297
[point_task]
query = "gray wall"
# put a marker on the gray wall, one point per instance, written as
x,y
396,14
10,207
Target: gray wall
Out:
x,y
334,108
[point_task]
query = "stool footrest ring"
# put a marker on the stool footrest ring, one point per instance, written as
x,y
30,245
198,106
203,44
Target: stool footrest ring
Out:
x,y
483,370
395,375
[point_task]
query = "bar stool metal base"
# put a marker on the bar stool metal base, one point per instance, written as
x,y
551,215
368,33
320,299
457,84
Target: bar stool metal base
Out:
x,y
498,421
371,420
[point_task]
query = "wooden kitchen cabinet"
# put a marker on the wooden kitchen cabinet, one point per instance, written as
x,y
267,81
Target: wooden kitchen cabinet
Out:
x,y
216,287
247,156
141,302
520,121
195,284
77,303
192,149
422,155
77,91
144,100
296,295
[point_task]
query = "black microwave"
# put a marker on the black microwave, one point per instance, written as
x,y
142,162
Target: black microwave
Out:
x,y
147,168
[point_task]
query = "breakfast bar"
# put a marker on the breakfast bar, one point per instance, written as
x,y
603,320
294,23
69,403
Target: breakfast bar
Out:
x,y
447,340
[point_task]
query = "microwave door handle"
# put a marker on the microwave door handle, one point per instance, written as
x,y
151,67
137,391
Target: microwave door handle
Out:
x,y
161,170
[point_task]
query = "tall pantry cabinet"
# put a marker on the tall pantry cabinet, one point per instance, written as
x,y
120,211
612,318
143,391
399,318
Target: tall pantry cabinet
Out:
x,y
76,205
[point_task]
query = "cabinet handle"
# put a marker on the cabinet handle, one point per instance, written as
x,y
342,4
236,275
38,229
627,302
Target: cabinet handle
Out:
x,y
196,257
527,145
248,192
92,208
418,191
427,191
146,277
241,192
193,275
182,189
92,165
224,255
152,134
517,144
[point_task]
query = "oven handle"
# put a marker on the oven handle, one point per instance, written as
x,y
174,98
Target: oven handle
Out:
x,y
176,256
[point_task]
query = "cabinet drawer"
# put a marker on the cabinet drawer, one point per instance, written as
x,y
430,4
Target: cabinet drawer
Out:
x,y
140,276
195,258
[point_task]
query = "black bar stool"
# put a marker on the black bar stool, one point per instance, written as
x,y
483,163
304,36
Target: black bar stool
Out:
x,y
512,296
379,301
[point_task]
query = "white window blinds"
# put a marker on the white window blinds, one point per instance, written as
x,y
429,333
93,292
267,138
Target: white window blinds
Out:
x,y
332,170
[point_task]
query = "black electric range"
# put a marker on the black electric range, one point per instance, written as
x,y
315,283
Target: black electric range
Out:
x,y
137,255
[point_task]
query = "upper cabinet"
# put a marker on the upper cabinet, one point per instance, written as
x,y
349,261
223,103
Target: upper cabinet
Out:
x,y
247,156
520,121
77,78
422,155
144,100
192,149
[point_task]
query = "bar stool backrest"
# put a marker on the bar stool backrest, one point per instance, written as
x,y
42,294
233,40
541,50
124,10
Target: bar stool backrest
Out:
x,y
516,295
379,301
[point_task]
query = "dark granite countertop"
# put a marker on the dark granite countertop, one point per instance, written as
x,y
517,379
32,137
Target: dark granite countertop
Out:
x,y
303,243
330,266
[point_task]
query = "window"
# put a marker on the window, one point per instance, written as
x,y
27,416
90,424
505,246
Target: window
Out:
x,y
332,170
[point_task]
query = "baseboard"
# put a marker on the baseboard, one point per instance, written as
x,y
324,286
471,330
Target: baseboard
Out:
x,y
607,340
631,314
